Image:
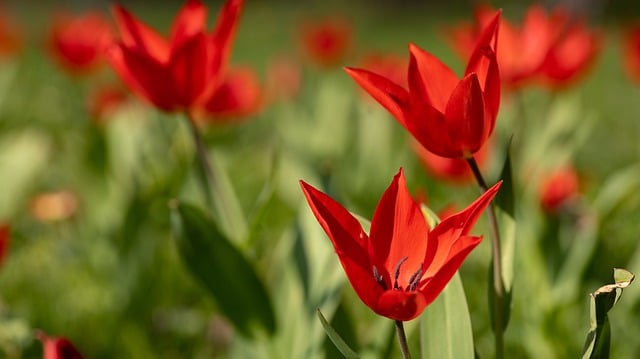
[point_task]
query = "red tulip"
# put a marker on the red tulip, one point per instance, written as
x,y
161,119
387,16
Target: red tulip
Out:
x,y
571,54
183,71
4,241
10,37
448,116
559,188
58,348
631,51
455,170
78,43
402,265
326,41
521,48
239,95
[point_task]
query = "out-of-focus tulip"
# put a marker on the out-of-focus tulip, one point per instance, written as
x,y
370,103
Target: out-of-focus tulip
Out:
x,y
78,42
5,240
550,48
183,71
631,51
450,117
10,36
389,65
57,347
521,48
572,53
239,95
54,206
326,42
558,189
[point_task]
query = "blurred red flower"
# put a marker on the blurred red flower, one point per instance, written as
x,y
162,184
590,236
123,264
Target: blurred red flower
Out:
x,y
551,48
183,71
453,170
572,53
558,189
326,41
450,117
5,240
238,96
631,51
402,265
521,49
78,42
57,348
10,36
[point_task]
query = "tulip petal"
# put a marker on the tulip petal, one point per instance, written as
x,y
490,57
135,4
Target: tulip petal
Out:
x,y
398,236
390,95
224,33
238,95
135,33
429,127
465,115
191,20
349,241
143,75
445,235
433,286
400,305
429,78
188,65
484,63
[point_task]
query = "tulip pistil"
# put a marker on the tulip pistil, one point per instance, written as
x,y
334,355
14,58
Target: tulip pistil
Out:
x,y
396,272
378,278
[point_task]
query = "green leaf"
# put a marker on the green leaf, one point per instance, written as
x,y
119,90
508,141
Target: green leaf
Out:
x,y
505,205
602,300
222,270
336,339
445,326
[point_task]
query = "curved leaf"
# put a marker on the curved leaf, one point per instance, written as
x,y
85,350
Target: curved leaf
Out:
x,y
222,270
445,326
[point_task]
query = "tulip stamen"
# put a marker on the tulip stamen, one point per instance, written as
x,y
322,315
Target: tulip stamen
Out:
x,y
415,279
378,277
396,272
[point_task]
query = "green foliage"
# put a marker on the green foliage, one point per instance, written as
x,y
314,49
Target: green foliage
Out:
x,y
598,343
223,270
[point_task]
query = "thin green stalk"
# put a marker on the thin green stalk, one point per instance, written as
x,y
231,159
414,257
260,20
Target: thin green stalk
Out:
x,y
402,339
205,173
498,286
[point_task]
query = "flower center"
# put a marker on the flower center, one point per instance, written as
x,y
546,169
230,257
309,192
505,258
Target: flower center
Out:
x,y
414,280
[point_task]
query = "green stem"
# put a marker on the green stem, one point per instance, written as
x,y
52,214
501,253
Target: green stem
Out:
x,y
498,286
402,339
205,173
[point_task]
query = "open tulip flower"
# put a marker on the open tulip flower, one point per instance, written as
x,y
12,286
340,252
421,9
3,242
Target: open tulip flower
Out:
x,y
183,71
402,265
450,117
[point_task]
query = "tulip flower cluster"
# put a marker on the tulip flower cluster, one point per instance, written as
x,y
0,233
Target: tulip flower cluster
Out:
x,y
177,228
